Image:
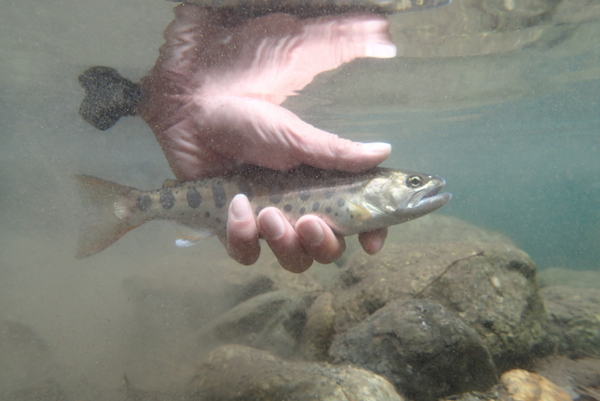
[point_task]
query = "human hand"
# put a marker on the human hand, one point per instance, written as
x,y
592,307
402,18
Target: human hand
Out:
x,y
294,246
213,101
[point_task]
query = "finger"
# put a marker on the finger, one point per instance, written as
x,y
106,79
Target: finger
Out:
x,y
328,151
283,240
373,241
242,232
319,240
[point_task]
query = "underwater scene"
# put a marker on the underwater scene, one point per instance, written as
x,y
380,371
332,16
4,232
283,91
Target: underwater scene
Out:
x,y
130,268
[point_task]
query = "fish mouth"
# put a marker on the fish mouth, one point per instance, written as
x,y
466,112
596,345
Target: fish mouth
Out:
x,y
431,199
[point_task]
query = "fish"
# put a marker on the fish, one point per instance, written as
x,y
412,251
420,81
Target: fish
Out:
x,y
350,203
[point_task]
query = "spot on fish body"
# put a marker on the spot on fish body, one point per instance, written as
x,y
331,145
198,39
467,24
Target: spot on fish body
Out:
x,y
194,199
315,206
167,200
143,202
341,202
219,195
329,192
287,208
302,210
328,210
304,195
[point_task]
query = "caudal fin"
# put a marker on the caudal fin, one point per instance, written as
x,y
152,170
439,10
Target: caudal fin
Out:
x,y
110,208
108,97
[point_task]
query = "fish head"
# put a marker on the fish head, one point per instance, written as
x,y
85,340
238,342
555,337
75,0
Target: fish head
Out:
x,y
403,195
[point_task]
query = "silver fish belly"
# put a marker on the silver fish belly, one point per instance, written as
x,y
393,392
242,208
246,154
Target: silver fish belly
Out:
x,y
350,203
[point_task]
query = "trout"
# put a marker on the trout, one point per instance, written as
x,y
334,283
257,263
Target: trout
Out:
x,y
350,203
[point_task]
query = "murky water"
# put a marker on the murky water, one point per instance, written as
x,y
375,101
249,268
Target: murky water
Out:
x,y
508,114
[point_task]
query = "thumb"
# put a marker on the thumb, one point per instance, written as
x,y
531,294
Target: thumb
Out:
x,y
325,150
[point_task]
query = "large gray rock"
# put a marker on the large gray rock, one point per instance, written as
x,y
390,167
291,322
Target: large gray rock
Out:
x,y
423,348
238,373
575,313
490,286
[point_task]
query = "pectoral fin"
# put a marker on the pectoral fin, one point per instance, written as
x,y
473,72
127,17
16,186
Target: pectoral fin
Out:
x,y
359,212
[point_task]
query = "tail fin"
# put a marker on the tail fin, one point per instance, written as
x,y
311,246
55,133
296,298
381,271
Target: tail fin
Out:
x,y
108,97
110,209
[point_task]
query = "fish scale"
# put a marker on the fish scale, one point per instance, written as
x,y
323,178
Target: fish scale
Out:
x,y
350,203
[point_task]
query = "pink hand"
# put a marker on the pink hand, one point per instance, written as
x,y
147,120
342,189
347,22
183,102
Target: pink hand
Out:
x,y
213,100
295,247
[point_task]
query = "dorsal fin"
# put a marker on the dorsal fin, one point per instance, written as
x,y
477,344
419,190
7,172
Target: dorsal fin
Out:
x,y
170,183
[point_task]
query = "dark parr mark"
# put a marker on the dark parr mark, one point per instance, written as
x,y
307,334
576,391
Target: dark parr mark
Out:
x,y
194,199
315,206
328,210
275,191
341,202
287,208
302,210
206,215
304,195
143,202
167,200
219,195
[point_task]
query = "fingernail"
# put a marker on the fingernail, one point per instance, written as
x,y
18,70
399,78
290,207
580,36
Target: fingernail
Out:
x,y
272,226
312,233
380,50
377,148
240,210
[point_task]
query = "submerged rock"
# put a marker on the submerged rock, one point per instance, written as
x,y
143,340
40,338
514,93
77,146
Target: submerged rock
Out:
x,y
235,372
490,286
575,313
423,348
437,312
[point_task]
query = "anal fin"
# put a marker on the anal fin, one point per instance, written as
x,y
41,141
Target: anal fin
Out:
x,y
187,236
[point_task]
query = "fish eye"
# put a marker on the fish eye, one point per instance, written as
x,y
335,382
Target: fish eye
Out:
x,y
414,181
